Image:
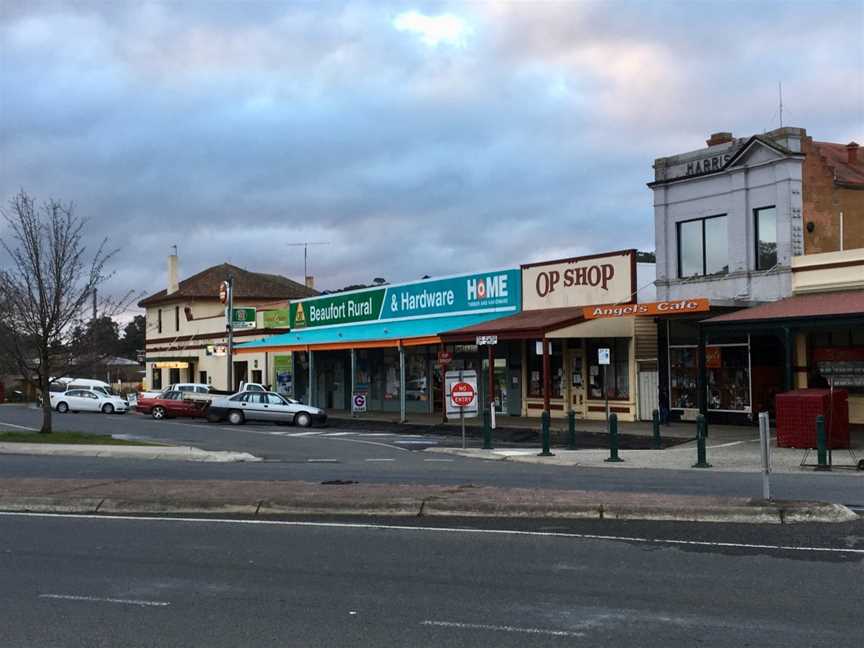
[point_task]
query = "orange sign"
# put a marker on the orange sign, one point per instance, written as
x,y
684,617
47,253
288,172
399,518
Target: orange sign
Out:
x,y
713,357
675,307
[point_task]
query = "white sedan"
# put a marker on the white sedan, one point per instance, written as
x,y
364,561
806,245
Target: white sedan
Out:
x,y
86,400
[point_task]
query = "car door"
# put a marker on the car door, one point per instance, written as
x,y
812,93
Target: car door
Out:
x,y
256,407
280,411
89,401
73,399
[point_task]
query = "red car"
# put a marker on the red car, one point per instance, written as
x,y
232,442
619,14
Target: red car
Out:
x,y
169,404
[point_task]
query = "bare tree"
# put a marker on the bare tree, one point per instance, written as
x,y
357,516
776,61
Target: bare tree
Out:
x,y
46,292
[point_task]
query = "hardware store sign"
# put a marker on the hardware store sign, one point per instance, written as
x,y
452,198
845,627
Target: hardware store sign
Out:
x,y
490,292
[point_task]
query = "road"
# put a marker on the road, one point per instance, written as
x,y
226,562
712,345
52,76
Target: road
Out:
x,y
331,453
71,581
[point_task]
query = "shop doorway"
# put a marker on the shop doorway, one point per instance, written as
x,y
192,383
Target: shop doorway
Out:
x,y
241,369
499,382
648,393
577,383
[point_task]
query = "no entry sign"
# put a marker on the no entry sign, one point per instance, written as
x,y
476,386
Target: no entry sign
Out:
x,y
463,394
461,390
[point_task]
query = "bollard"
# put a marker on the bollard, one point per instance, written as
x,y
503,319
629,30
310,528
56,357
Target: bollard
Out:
x,y
544,419
613,439
821,445
571,430
701,433
487,429
655,422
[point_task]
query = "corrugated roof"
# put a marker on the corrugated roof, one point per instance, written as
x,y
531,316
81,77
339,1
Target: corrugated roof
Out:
x,y
837,157
527,324
816,305
247,285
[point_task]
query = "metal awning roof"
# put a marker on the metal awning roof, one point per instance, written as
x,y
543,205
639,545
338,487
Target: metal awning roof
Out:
x,y
367,336
798,309
521,326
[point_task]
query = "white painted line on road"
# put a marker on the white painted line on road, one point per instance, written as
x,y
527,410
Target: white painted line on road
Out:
x,y
97,599
336,434
439,460
20,427
379,460
409,442
398,527
500,628
322,461
302,434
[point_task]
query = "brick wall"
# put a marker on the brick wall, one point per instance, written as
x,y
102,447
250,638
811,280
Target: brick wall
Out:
x,y
823,201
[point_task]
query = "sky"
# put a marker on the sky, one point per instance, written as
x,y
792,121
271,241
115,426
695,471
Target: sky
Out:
x,y
424,138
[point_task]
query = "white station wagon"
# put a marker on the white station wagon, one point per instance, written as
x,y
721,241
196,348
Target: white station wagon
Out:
x,y
88,400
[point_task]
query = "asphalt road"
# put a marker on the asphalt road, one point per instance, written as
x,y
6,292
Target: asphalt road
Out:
x,y
382,457
141,582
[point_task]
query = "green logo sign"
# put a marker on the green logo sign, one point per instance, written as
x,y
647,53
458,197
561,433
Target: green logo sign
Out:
x,y
276,318
243,318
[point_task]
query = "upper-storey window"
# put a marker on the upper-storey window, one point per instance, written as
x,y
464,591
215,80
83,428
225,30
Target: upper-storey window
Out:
x,y
176,318
702,247
766,237
159,320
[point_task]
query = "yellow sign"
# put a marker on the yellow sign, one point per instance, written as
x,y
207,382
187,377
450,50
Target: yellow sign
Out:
x,y
300,316
172,365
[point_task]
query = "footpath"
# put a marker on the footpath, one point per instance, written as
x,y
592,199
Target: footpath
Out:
x,y
263,499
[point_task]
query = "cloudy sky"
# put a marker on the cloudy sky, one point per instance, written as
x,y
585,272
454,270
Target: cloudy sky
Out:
x,y
416,138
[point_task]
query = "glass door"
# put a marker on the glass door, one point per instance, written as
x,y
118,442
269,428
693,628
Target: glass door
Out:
x,y
499,381
577,382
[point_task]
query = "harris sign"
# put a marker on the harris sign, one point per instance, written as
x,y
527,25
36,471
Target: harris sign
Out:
x,y
486,292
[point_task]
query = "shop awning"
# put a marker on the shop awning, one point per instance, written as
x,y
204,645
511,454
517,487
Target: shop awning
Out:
x,y
609,327
521,326
798,310
367,336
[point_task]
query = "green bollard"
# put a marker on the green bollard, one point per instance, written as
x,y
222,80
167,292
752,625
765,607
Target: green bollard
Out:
x,y
701,433
613,439
544,421
487,430
571,429
821,444
655,423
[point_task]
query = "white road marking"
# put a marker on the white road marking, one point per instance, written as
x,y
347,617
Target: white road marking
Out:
x,y
397,527
409,442
20,427
336,434
439,460
322,461
98,599
302,434
502,628
379,460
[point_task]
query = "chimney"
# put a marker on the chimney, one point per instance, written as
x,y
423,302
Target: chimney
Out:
x,y
173,284
852,152
310,281
719,138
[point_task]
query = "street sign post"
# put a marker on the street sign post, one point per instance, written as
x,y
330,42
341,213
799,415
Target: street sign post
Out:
x,y
603,360
358,403
461,389
242,318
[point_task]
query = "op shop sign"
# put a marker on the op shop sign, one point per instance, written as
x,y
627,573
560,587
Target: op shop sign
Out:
x,y
580,281
490,292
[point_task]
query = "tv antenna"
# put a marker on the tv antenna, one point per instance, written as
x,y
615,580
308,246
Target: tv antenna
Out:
x,y
306,245
780,92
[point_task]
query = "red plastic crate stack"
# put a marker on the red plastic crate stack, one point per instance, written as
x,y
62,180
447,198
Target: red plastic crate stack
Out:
x,y
796,417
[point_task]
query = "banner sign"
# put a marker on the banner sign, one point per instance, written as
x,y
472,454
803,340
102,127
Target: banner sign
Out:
x,y
675,307
276,318
283,368
242,318
580,281
492,292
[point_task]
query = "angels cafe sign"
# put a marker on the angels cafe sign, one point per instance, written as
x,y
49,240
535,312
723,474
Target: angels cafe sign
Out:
x,y
581,281
674,307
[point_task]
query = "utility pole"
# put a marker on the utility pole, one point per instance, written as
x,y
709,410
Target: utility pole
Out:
x,y
226,296
306,245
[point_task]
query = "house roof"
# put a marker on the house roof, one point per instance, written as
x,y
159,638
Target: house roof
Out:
x,y
837,157
247,285
811,306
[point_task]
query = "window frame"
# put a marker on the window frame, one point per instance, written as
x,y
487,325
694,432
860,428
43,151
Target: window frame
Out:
x,y
702,221
756,238
176,318
159,320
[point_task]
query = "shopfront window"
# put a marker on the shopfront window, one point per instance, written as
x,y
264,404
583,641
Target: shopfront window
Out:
x,y
617,372
386,379
703,247
728,370
416,377
766,238
535,369
682,377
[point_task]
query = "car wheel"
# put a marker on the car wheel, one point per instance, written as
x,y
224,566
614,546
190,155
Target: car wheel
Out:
x,y
236,418
62,408
303,420
107,408
158,413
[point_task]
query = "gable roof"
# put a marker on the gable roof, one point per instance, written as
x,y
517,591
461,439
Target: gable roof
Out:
x,y
836,157
247,285
764,141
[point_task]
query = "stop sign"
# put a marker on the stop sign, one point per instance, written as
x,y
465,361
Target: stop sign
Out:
x,y
462,394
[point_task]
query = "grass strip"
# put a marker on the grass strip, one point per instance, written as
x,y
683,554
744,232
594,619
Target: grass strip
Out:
x,y
75,438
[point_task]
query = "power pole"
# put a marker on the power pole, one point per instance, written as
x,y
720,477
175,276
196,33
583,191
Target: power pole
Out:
x,y
306,245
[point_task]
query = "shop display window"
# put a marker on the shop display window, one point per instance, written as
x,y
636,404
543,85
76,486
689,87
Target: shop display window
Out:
x,y
683,376
416,378
617,372
535,369
728,369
